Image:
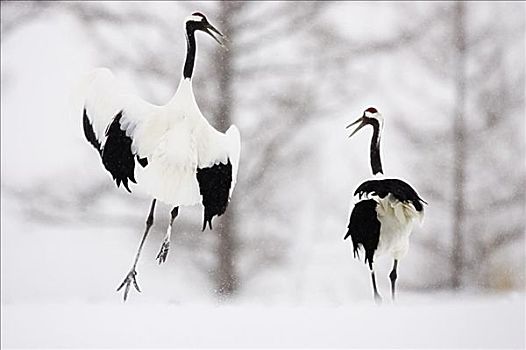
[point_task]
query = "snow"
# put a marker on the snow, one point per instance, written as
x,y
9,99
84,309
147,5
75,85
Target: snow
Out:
x,y
437,322
65,298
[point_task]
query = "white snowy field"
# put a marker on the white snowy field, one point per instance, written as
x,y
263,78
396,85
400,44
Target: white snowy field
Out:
x,y
452,322
65,298
55,295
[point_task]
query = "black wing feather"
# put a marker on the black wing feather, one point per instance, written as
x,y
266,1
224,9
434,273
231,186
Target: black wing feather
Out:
x,y
117,156
364,229
214,186
89,133
398,188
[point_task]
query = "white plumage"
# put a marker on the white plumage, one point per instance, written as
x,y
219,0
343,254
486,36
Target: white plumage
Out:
x,y
397,220
396,224
171,152
175,138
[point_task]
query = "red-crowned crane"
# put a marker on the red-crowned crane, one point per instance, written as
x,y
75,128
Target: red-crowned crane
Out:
x,y
382,219
171,152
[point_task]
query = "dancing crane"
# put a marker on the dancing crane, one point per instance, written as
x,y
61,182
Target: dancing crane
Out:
x,y
171,152
382,219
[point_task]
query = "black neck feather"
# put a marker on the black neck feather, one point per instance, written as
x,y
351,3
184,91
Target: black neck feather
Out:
x,y
376,162
190,53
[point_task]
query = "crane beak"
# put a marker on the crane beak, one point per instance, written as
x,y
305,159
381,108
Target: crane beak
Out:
x,y
360,120
210,29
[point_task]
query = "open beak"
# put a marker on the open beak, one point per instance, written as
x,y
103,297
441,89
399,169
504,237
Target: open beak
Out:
x,y
360,120
210,29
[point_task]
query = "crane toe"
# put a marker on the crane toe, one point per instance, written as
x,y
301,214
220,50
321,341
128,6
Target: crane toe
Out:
x,y
163,253
128,281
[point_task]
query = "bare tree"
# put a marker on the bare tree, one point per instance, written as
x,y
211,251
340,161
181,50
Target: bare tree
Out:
x,y
226,275
459,129
485,121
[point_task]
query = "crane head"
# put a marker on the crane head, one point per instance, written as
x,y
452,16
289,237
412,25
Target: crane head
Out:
x,y
369,117
198,21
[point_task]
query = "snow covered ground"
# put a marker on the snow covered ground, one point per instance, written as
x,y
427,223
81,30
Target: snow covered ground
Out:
x,y
65,298
433,322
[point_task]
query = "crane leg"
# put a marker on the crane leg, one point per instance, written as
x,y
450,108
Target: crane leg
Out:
x,y
392,277
130,277
377,297
163,253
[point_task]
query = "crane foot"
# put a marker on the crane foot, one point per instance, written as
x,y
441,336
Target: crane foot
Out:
x,y
163,253
128,281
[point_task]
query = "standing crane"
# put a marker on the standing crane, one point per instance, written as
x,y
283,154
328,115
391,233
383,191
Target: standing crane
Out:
x,y
171,152
382,219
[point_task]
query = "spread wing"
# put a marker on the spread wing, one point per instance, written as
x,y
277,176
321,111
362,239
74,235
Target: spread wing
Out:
x,y
218,161
123,128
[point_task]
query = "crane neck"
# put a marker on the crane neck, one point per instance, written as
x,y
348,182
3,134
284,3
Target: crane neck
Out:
x,y
376,161
191,48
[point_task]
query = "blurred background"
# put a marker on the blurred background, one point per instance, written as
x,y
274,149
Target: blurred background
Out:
x,y
448,78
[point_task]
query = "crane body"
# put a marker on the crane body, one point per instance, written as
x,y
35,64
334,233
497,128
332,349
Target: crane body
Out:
x,y
170,152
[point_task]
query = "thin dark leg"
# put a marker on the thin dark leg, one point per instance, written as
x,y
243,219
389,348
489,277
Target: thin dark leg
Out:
x,y
377,296
163,253
130,278
392,277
